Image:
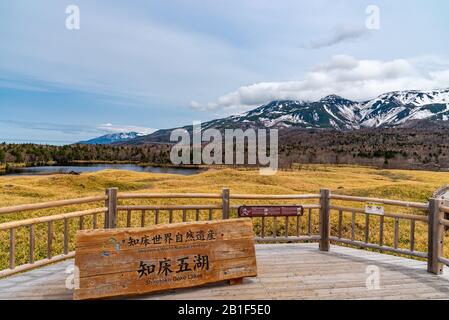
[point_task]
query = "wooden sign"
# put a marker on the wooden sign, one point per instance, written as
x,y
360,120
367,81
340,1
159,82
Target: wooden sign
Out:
x,y
270,211
117,262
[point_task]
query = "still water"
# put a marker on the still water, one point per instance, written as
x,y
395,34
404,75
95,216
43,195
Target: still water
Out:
x,y
46,170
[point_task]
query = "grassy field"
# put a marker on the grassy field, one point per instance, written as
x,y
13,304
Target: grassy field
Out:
x,y
361,181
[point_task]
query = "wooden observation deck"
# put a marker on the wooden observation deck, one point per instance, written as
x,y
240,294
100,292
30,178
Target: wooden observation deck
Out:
x,y
285,271
315,255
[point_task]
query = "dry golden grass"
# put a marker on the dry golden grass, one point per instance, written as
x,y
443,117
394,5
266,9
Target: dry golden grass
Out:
x,y
361,181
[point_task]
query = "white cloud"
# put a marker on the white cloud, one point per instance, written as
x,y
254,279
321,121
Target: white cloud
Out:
x,y
341,34
109,127
343,75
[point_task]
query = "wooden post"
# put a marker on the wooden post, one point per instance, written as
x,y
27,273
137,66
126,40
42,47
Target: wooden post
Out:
x,y
66,236
12,248
225,203
324,220
49,239
435,237
110,217
32,243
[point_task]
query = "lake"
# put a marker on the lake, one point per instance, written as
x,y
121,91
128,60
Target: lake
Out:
x,y
47,170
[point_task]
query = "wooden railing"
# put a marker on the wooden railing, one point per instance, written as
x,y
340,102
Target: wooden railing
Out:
x,y
284,228
324,220
437,223
49,221
396,217
168,211
226,209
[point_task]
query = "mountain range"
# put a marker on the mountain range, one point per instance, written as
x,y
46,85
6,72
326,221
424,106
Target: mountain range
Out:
x,y
334,112
113,138
399,108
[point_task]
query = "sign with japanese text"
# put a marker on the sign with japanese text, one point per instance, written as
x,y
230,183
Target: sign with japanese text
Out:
x,y
117,262
374,208
270,211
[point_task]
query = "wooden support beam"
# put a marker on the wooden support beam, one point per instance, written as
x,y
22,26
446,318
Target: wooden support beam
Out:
x,y
225,203
110,218
12,248
435,237
324,220
309,222
340,224
49,239
142,219
66,236
31,255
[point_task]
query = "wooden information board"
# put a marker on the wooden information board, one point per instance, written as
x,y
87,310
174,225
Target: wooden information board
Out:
x,y
118,262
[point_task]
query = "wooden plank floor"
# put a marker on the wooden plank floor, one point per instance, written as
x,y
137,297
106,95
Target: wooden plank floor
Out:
x,y
286,271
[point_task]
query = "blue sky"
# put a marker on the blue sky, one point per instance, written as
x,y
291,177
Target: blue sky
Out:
x,y
142,65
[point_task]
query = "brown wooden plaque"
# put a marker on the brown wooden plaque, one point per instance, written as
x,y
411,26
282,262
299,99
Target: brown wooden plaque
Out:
x,y
270,211
119,262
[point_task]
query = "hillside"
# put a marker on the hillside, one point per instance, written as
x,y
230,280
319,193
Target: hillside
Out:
x,y
422,145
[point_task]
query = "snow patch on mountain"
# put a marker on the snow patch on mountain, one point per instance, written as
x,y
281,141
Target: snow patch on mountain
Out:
x,y
113,137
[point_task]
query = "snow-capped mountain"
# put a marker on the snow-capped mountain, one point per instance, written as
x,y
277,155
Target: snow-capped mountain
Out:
x,y
112,138
401,108
395,108
390,109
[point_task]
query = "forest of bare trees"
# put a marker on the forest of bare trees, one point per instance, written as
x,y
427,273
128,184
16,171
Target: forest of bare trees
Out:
x,y
402,148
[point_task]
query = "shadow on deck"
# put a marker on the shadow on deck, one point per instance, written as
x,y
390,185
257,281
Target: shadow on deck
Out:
x,y
285,271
